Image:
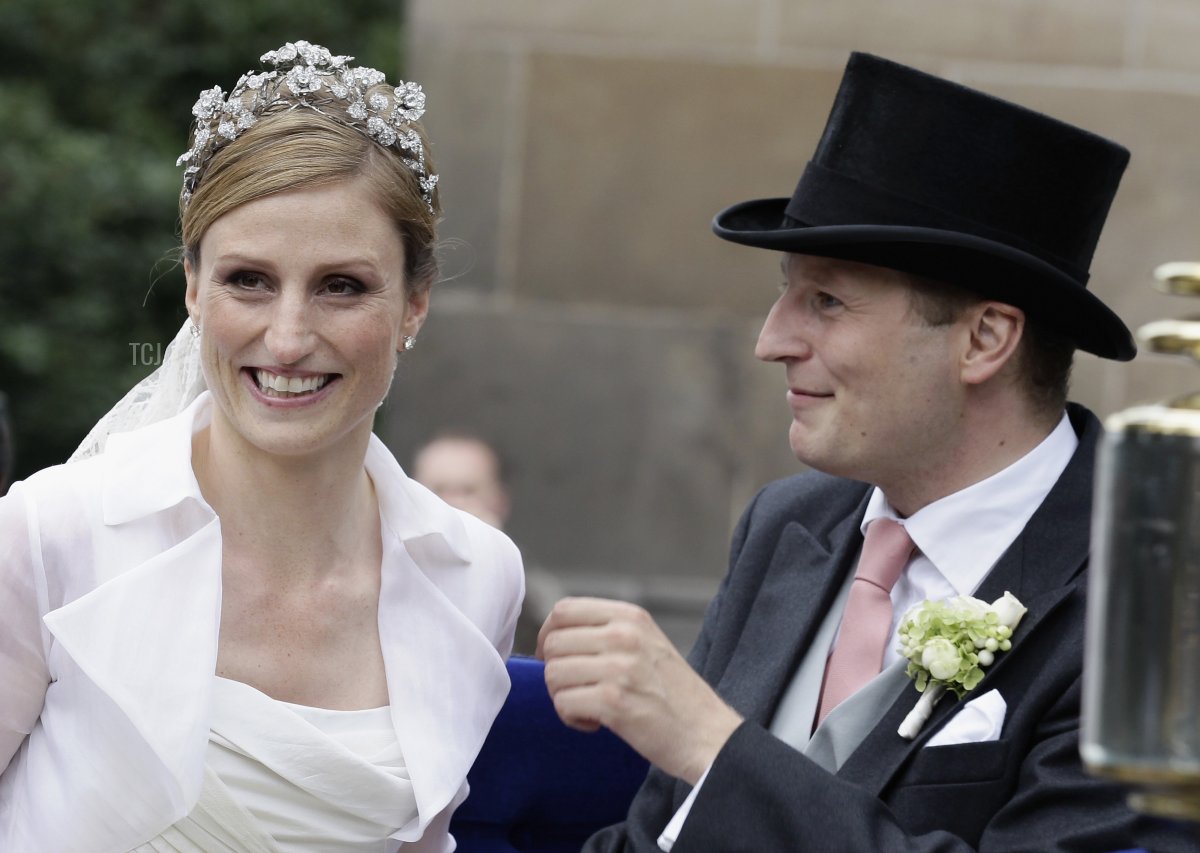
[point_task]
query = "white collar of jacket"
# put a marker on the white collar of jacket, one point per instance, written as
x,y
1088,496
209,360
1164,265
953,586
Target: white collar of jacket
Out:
x,y
150,470
145,640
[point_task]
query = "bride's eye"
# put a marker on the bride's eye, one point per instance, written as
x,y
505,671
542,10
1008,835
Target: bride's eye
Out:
x,y
342,285
247,280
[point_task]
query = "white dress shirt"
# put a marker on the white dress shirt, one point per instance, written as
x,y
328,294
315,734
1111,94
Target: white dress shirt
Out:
x,y
959,538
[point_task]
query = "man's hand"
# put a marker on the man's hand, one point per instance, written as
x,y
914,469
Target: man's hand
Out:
x,y
608,664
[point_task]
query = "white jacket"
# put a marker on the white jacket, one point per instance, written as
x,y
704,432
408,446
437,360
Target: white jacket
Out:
x,y
110,596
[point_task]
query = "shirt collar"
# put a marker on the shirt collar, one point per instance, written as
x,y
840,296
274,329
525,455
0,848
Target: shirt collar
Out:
x,y
149,470
964,533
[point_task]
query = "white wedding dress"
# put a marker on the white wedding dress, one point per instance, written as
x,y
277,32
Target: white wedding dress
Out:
x,y
283,778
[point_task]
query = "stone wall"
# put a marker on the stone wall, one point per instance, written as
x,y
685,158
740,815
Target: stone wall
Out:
x,y
603,337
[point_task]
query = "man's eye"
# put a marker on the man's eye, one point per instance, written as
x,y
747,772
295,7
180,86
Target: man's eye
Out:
x,y
824,300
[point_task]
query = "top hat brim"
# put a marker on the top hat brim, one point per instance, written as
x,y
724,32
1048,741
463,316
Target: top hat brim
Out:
x,y
989,268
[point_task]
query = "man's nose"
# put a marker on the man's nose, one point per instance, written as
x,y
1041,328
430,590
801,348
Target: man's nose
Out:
x,y
782,335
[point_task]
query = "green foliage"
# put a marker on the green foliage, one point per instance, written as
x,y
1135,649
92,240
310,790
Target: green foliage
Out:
x,y
95,105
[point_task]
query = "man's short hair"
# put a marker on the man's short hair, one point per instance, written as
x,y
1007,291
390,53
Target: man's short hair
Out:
x,y
1044,357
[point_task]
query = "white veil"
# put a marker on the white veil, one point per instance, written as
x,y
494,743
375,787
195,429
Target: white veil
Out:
x,y
166,392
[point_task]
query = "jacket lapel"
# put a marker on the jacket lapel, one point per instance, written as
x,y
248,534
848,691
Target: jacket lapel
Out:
x,y
806,570
137,656
446,682
1037,568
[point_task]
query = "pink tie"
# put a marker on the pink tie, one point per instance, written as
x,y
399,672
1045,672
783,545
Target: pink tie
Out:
x,y
867,622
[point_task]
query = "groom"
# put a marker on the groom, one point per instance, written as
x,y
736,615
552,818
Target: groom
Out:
x,y
934,265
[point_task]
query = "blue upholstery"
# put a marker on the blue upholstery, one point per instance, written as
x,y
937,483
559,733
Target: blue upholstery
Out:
x,y
538,786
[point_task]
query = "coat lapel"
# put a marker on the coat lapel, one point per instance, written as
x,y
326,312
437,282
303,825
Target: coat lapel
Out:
x,y
1037,568
137,656
807,567
446,682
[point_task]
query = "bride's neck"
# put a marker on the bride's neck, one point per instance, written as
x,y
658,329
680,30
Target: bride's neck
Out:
x,y
292,510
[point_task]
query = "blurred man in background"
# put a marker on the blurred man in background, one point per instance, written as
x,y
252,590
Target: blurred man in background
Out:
x,y
466,472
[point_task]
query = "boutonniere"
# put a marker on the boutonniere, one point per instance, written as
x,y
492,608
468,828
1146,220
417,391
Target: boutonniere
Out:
x,y
948,643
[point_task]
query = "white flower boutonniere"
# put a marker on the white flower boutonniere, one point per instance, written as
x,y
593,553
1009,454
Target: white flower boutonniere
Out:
x,y
948,643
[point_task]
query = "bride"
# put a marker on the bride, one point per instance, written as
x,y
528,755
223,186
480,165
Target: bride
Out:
x,y
232,622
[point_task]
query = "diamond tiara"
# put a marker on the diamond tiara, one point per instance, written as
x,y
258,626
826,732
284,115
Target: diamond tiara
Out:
x,y
308,75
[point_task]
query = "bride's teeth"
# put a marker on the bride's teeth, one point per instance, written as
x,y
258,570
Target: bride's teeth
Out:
x,y
286,385
268,381
308,383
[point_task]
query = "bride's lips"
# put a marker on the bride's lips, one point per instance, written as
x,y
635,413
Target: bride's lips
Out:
x,y
310,387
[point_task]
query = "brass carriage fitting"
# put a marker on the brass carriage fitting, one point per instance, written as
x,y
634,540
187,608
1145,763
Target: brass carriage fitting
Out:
x,y
1172,337
1141,715
1179,277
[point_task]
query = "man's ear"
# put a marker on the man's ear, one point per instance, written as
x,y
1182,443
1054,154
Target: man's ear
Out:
x,y
994,331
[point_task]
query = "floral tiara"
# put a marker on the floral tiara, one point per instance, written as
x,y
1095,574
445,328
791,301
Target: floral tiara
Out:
x,y
307,75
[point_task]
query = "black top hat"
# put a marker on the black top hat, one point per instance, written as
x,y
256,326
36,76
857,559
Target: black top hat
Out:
x,y
929,177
